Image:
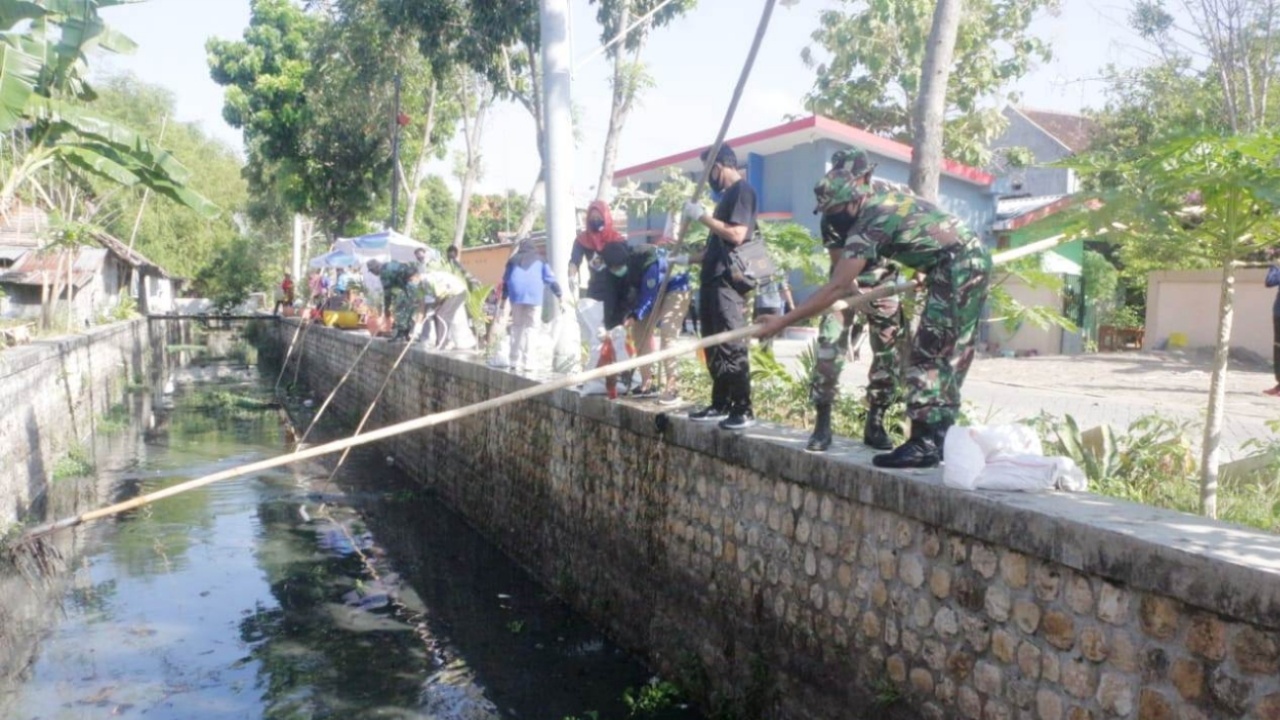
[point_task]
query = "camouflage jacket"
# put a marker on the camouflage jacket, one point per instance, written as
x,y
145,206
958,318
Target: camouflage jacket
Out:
x,y
905,229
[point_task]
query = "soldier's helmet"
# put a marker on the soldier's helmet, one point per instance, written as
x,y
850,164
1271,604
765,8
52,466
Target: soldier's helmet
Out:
x,y
843,182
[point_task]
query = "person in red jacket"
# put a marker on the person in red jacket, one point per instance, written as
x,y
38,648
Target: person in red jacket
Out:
x,y
589,245
286,293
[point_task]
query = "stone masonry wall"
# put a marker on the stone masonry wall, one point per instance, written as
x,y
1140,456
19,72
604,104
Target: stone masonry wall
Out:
x,y
778,584
50,393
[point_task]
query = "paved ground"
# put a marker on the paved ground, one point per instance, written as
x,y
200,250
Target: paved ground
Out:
x,y
1115,388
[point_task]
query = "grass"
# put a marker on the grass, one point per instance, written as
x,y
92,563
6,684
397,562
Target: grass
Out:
x,y
114,420
76,463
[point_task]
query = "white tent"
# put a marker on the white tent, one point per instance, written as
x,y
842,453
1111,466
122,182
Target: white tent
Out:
x,y
383,246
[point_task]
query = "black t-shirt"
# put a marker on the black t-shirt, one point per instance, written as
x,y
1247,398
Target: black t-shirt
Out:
x,y
598,286
737,206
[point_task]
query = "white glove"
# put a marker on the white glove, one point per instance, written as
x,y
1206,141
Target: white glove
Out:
x,y
679,260
694,211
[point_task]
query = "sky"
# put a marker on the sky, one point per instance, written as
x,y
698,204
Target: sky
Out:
x,y
693,76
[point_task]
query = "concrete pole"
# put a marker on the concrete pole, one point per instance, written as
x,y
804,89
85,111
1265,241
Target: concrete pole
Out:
x,y
561,219
296,268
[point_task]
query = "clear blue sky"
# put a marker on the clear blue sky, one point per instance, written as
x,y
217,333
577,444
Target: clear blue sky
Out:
x,y
694,76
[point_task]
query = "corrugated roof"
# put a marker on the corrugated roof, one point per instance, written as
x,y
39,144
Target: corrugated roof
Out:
x,y
40,267
1013,207
129,255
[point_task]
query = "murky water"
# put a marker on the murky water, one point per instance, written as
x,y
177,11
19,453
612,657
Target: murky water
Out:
x,y
285,596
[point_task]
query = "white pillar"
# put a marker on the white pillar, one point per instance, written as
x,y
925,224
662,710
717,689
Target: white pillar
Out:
x,y
557,104
297,251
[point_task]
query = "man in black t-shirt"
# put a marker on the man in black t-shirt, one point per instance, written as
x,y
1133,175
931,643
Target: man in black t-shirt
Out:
x,y
721,307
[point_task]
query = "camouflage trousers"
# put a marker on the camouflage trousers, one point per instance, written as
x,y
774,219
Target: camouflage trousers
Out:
x,y
838,332
943,347
405,303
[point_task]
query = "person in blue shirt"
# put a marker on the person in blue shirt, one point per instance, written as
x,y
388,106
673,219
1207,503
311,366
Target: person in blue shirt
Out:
x,y
523,285
640,271
1273,280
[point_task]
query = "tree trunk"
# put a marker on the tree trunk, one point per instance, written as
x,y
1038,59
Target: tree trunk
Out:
x,y
473,133
420,168
1209,458
623,94
931,104
532,206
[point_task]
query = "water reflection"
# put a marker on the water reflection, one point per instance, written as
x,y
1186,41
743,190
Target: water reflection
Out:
x,y
283,597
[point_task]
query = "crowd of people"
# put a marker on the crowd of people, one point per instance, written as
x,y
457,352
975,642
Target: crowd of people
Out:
x,y
637,298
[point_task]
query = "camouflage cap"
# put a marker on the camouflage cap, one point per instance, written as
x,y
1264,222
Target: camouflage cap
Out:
x,y
844,181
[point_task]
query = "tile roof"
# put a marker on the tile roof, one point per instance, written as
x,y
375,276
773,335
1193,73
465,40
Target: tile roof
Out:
x,y
1073,131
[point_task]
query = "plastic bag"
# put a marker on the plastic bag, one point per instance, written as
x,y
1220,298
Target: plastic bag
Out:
x,y
1005,457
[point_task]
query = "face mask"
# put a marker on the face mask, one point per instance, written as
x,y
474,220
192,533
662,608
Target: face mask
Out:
x,y
716,181
836,227
595,225
619,271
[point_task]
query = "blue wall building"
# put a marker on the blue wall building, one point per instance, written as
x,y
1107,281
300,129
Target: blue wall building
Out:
x,y
783,163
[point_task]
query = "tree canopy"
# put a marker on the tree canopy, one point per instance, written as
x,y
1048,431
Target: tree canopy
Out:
x,y
868,56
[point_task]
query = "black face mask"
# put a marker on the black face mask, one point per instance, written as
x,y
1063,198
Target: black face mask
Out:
x,y
716,181
835,227
595,225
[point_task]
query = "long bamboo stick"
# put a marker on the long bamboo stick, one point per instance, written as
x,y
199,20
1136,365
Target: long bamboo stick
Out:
x,y
422,423
285,365
857,302
713,152
336,388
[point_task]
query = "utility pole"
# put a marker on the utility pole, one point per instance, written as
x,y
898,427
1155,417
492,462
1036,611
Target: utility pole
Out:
x,y
296,268
395,160
557,105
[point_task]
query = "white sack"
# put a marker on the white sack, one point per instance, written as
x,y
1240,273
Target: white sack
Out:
x,y
1005,457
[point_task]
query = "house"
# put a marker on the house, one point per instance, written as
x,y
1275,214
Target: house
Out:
x,y
95,276
783,163
1029,196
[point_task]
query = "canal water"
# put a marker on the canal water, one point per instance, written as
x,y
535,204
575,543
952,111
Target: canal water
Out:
x,y
289,597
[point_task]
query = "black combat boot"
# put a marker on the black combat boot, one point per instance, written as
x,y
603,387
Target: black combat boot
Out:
x,y
820,441
873,434
921,451
940,437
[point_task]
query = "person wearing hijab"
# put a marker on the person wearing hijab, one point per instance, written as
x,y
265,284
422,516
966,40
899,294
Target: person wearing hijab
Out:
x,y
524,284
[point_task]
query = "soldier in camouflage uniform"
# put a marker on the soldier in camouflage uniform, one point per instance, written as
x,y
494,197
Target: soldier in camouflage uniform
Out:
x,y
956,271
839,330
401,291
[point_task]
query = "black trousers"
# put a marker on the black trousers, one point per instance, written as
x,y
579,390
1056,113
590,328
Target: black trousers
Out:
x,y
722,308
1275,350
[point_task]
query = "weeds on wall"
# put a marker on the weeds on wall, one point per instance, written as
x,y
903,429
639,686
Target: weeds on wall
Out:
x,y
77,462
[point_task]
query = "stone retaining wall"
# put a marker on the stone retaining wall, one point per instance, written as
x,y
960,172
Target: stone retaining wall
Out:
x,y
51,391
778,584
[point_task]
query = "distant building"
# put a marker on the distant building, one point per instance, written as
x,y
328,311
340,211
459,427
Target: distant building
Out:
x,y
1029,195
95,276
783,163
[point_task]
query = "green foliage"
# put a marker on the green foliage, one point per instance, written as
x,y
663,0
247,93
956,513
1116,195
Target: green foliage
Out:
x,y
1204,200
650,699
1125,316
239,270
77,462
489,215
175,237
1101,280
794,249
44,92
868,55
115,420
1153,462
515,627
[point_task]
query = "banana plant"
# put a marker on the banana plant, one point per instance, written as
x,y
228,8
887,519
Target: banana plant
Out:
x,y
45,99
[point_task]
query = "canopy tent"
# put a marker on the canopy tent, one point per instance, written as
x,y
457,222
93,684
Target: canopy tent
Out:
x,y
386,245
334,259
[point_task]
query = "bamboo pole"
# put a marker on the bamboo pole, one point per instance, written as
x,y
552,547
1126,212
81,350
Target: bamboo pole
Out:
x,y
420,423
341,382
713,152
285,365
